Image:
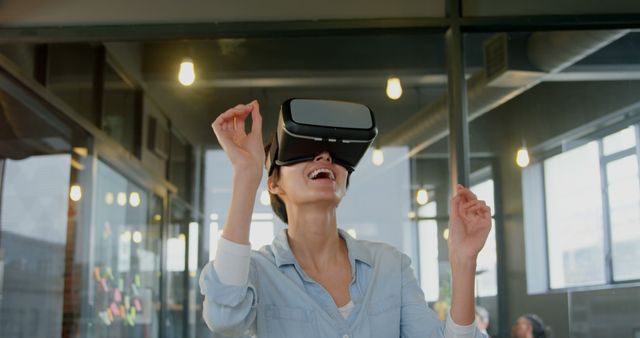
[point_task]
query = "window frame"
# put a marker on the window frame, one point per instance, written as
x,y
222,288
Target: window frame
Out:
x,y
578,140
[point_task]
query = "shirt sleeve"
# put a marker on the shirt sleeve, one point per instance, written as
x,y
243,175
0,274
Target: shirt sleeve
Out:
x,y
232,262
461,331
228,285
418,320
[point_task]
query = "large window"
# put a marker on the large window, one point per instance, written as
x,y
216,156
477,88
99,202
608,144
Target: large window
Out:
x,y
592,201
33,237
71,76
430,274
121,110
44,166
487,264
428,239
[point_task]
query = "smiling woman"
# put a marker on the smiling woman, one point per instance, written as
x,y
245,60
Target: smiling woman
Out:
x,y
315,279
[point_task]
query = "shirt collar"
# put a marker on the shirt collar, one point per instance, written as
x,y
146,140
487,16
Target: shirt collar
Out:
x,y
357,249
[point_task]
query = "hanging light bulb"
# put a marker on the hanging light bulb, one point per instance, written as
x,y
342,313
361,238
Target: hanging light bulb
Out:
x,y
422,197
121,199
394,88
75,193
377,157
187,74
137,236
134,199
108,198
522,157
126,236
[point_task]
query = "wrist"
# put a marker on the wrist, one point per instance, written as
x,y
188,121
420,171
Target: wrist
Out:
x,y
462,264
247,178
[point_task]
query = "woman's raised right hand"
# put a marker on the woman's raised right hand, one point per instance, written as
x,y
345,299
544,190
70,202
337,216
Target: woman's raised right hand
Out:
x,y
246,151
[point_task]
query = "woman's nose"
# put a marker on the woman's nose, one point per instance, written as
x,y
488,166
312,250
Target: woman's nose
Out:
x,y
324,156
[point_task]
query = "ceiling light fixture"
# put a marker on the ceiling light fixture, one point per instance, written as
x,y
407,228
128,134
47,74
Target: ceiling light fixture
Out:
x,y
377,157
187,74
75,193
422,197
394,88
522,157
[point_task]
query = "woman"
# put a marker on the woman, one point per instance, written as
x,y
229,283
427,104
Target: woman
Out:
x,y
530,326
315,280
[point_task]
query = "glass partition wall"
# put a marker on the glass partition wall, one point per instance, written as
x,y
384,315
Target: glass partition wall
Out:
x,y
44,189
81,235
126,255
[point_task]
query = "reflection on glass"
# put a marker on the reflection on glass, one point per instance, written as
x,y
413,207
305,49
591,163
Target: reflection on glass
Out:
x,y
624,213
119,109
604,313
71,69
33,236
574,217
180,166
621,140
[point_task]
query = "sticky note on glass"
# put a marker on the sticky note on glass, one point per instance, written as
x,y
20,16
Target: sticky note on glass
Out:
x,y
126,302
122,312
110,273
104,317
114,309
110,314
103,283
117,296
136,303
134,288
96,274
138,280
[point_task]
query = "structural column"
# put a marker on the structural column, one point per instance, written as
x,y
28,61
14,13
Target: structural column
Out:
x,y
457,100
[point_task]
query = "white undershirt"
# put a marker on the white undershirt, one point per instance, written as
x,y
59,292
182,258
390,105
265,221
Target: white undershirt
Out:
x,y
345,310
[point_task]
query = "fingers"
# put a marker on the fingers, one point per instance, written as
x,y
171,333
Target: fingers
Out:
x,y
237,114
462,195
256,124
455,204
480,209
466,193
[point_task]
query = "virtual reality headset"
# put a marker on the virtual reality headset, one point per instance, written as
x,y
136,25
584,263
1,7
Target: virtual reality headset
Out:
x,y
307,127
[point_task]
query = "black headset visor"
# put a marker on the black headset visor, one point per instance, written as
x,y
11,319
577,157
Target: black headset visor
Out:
x,y
306,127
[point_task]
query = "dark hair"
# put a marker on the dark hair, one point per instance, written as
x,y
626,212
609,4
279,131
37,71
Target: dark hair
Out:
x,y
277,204
540,330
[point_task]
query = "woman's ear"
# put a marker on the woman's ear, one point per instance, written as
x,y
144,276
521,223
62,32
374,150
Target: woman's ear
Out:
x,y
272,186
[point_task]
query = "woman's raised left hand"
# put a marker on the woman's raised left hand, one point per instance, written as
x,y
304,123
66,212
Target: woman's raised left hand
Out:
x,y
469,226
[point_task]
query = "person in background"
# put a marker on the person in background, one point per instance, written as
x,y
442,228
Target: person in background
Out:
x,y
530,326
482,319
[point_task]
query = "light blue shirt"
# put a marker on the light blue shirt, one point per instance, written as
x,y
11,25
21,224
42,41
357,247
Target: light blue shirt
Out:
x,y
280,300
